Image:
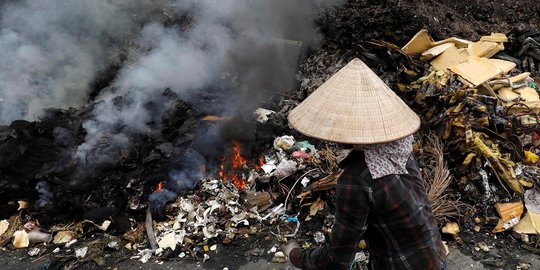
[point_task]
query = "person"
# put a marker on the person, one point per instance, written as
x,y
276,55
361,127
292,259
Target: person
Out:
x,y
380,196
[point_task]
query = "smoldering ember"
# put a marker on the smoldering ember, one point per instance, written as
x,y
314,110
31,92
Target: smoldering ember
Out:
x,y
154,134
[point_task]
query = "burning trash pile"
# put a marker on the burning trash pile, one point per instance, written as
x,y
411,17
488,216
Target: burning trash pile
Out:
x,y
269,197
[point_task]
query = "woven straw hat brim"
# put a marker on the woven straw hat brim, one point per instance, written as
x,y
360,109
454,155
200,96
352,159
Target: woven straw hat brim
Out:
x,y
354,106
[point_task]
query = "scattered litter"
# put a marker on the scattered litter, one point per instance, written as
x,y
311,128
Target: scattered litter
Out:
x,y
20,239
451,228
145,254
273,249
360,257
285,168
262,115
532,200
81,252
63,237
39,237
510,214
482,246
113,245
305,181
279,257
168,241
284,143
70,243
30,225
22,205
319,238
34,251
4,225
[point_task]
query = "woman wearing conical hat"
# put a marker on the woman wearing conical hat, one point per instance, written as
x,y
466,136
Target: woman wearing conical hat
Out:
x,y
380,195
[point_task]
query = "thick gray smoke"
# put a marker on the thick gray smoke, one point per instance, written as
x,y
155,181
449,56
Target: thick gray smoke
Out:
x,y
53,49
255,42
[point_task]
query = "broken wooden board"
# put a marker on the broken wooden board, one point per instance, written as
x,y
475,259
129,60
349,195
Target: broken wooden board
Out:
x,y
419,43
530,224
476,70
495,37
510,214
435,51
485,49
449,58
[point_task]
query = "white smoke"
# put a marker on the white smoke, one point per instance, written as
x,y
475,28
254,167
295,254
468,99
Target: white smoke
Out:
x,y
53,49
60,45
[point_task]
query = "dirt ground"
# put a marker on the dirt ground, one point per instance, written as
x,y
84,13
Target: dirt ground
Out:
x,y
20,261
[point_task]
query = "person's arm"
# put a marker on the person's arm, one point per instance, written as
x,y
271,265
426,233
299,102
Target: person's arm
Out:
x,y
352,203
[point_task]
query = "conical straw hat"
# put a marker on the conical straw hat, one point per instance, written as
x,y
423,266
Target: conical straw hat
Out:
x,y
355,107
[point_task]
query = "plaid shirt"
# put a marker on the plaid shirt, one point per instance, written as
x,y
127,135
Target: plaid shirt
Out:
x,y
391,213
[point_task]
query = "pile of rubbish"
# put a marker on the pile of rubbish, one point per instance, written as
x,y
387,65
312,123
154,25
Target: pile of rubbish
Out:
x,y
285,191
480,102
289,194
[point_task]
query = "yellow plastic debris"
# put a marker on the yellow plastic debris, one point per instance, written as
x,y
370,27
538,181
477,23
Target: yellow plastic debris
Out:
x,y
446,250
451,228
495,37
526,183
528,94
4,226
531,157
206,248
502,169
460,43
530,224
506,94
476,70
503,65
485,49
362,244
419,43
449,58
469,159
436,51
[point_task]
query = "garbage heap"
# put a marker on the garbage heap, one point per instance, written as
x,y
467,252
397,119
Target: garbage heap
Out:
x,y
279,198
478,99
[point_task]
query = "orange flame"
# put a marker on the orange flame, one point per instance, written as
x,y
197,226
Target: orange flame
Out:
x,y
237,163
159,187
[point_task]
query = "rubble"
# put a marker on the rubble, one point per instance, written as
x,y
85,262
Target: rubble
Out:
x,y
4,225
20,239
64,237
451,228
39,237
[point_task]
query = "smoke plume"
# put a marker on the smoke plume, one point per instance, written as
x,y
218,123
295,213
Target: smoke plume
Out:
x,y
53,49
58,47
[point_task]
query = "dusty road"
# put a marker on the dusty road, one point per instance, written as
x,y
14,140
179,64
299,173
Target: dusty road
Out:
x,y
20,261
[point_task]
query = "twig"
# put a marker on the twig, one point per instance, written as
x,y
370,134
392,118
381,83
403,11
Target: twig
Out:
x,y
150,230
295,183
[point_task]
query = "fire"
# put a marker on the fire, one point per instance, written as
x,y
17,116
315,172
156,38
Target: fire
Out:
x,y
159,187
237,164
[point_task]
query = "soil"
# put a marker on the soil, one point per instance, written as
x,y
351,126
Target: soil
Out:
x,y
397,21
